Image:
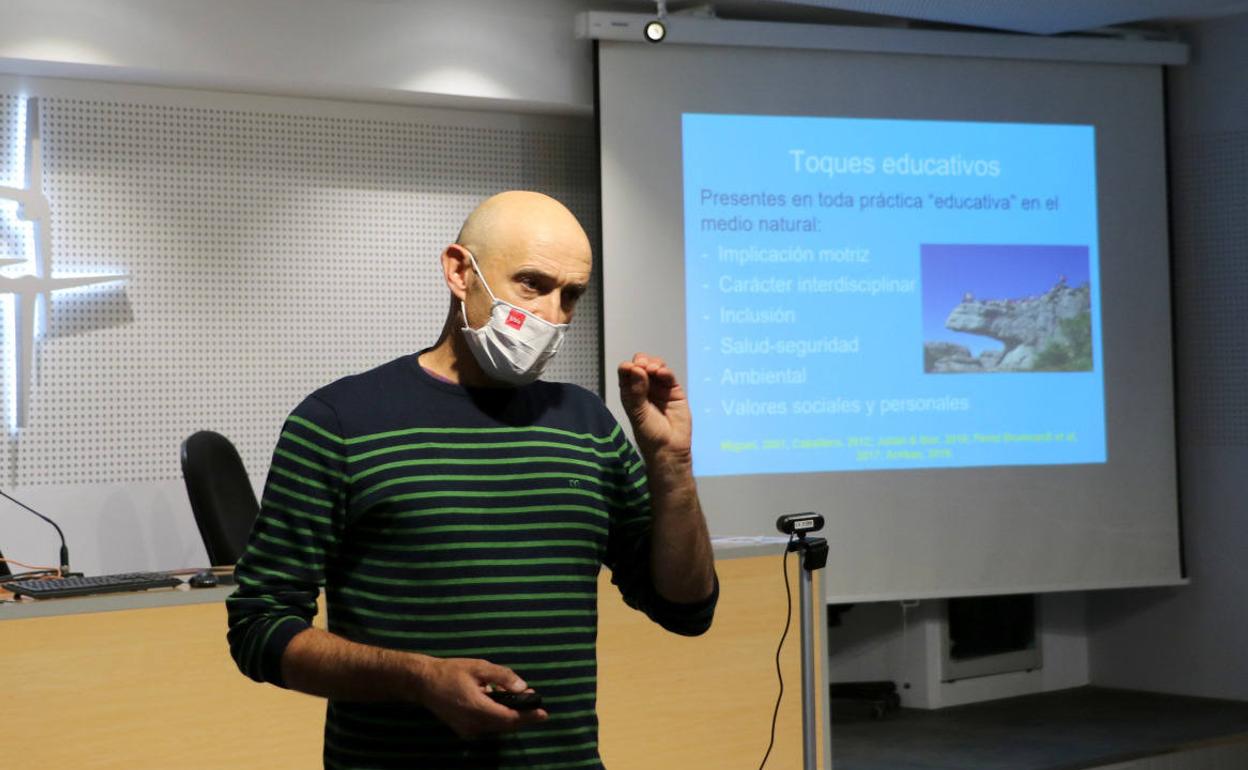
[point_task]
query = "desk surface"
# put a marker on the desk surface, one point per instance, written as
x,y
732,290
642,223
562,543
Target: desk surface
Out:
x,y
150,686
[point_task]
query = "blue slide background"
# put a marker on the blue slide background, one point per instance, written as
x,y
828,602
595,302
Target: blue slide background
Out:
x,y
933,420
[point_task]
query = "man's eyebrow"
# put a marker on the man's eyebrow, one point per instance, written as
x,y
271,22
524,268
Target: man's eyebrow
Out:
x,y
534,272
537,272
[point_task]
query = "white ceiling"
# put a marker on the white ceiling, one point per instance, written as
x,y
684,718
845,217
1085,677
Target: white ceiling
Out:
x,y
1040,17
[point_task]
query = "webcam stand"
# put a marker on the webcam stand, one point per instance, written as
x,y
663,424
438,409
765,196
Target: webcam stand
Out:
x,y
813,553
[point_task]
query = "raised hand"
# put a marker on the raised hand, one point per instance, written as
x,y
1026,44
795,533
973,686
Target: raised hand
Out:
x,y
656,406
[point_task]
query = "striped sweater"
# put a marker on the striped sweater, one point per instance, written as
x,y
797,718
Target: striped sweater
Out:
x,y
456,523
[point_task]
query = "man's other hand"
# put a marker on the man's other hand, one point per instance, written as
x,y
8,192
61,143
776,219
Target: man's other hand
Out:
x,y
454,689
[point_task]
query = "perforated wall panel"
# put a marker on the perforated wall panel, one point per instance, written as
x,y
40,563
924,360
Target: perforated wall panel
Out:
x,y
12,244
1210,215
265,253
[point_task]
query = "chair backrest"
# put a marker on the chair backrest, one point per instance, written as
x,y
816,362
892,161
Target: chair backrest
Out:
x,y
221,495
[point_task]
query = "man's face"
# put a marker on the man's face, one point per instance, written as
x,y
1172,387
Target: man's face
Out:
x,y
545,277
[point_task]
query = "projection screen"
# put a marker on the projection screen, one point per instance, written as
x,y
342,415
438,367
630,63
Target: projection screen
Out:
x,y
925,296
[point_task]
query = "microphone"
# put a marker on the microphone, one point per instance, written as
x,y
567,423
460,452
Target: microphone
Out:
x,y
64,547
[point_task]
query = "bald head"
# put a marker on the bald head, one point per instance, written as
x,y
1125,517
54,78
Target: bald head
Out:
x,y
531,252
520,222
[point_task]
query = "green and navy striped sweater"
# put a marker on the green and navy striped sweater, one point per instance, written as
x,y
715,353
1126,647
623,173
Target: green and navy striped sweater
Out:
x,y
456,523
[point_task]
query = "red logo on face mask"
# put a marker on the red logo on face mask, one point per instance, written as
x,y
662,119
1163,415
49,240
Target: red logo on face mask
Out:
x,y
515,319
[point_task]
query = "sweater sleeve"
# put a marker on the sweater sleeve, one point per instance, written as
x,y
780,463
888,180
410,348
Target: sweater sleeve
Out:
x,y
282,570
630,532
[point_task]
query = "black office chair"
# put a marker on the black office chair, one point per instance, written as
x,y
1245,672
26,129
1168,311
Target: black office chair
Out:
x,y
222,499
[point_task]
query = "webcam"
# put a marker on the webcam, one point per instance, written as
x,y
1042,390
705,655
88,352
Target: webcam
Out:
x,y
799,523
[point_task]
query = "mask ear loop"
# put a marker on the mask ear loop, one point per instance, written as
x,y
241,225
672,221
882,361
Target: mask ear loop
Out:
x,y
494,299
463,311
477,269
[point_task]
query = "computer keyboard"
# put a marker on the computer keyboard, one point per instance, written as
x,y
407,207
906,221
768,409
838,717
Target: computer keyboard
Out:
x,y
48,588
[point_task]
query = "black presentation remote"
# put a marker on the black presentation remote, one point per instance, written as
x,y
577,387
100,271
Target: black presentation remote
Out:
x,y
520,701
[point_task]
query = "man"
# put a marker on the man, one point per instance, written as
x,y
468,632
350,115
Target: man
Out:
x,y
457,511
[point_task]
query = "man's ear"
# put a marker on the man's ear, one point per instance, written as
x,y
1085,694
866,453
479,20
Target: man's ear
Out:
x,y
456,269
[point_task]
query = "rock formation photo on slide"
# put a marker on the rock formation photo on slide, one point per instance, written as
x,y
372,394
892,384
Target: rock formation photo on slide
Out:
x,y
1048,332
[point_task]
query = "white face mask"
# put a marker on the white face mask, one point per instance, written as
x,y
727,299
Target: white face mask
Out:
x,y
514,345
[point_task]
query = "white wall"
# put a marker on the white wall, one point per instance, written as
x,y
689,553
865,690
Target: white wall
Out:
x,y
1192,640
474,53
887,642
270,244
496,55
109,528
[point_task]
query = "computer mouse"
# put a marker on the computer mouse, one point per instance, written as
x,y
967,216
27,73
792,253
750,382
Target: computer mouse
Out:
x,y
203,579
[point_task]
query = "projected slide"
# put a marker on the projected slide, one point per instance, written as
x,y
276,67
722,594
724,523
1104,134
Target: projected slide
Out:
x,y
874,294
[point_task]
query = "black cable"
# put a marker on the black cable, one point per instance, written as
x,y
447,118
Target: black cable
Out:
x,y
788,621
64,548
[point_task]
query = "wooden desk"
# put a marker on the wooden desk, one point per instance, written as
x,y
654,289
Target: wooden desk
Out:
x,y
154,687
